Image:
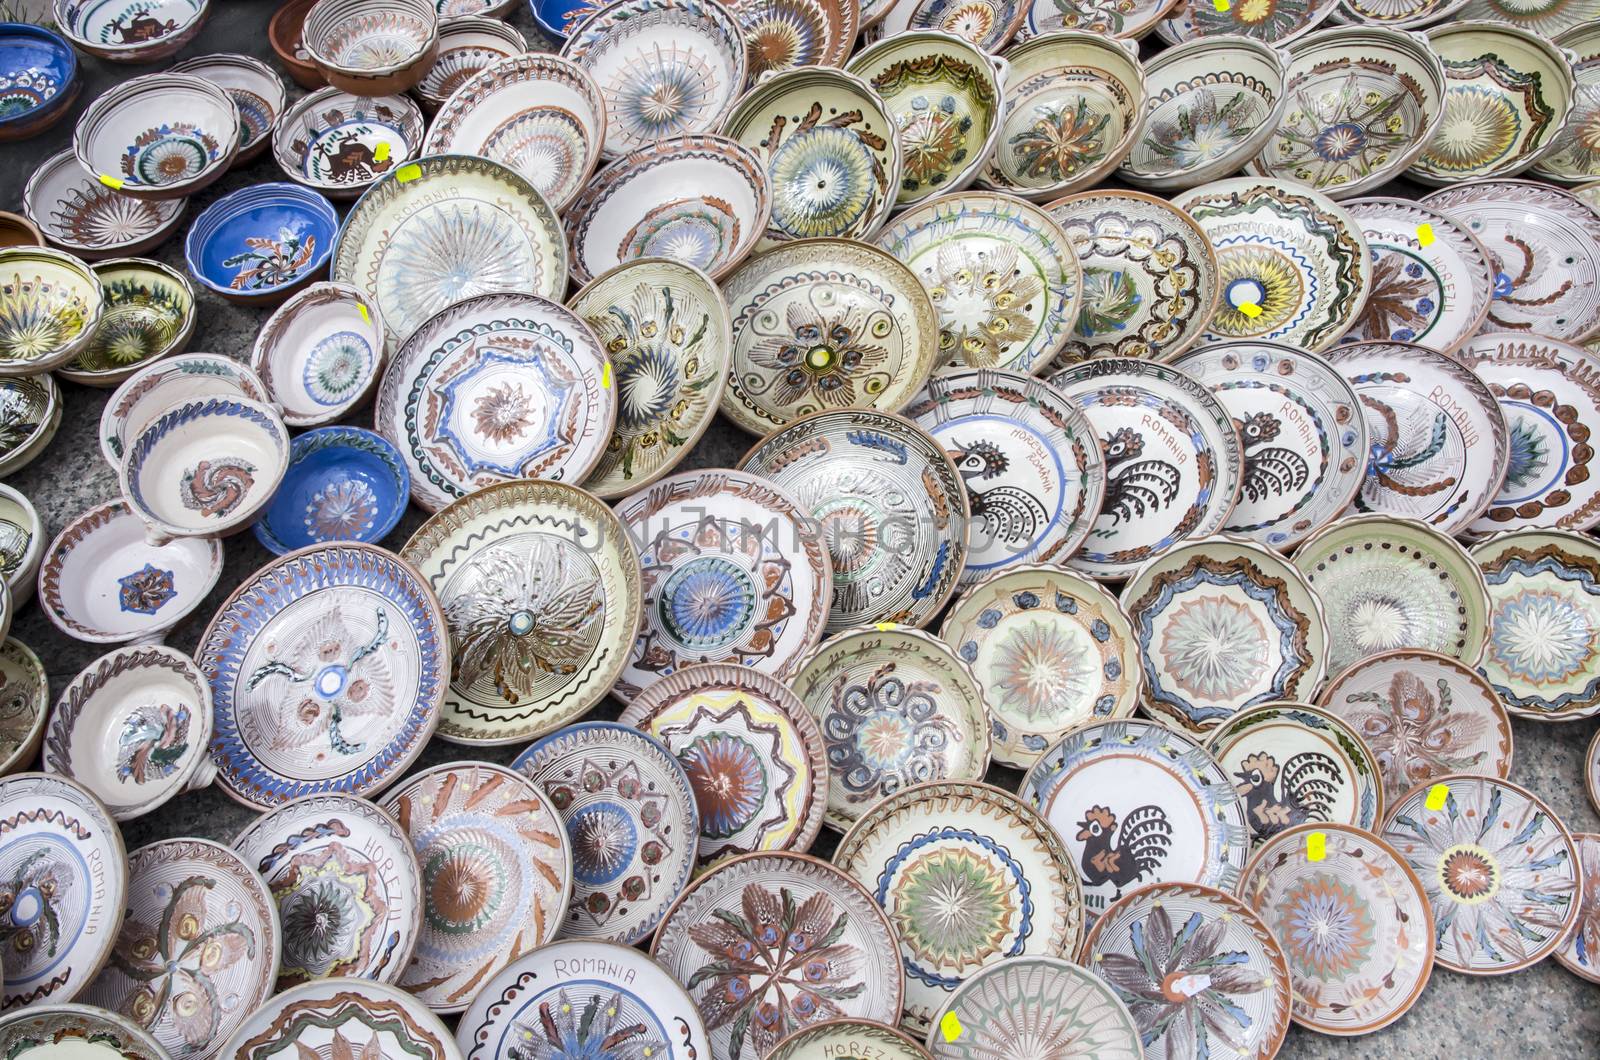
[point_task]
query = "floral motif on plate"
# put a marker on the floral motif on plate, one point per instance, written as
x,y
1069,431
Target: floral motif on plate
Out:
x,y
1036,1008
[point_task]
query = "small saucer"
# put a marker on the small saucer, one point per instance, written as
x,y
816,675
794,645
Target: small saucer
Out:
x,y
24,705
342,484
153,389
50,305
21,543
160,136
30,414
1035,1008
148,313
338,143
320,353
39,79
842,1037
346,1017
56,1030
262,243
372,47
89,219
131,33
1580,954
468,45
256,89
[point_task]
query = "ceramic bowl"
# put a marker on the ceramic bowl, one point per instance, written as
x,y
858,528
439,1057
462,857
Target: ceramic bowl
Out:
x,y
262,243
38,80
1123,19
285,34
1507,97
372,47
17,231
557,18
157,387
452,11
30,413
1211,106
947,97
466,46
149,314
665,67
988,24
24,706
50,305
1074,104
343,484
130,32
1364,103
255,88
160,136
1576,155
701,200
206,467
784,35
538,115
103,582
21,545
1269,23
77,212
830,149
339,143
319,353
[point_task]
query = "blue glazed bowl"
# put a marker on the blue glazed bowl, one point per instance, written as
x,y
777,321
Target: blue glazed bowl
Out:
x,y
343,484
38,79
260,244
558,18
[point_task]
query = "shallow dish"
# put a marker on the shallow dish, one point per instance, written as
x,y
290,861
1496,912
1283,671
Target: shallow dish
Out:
x,y
256,89
38,80
841,1037
1276,24
285,32
30,413
1397,14
50,305
18,231
155,388
1575,158
149,313
1035,1007
333,1013
319,353
372,47
988,24
262,243
784,35
342,484
77,212
468,44
339,143
21,545
1122,19
160,136
130,32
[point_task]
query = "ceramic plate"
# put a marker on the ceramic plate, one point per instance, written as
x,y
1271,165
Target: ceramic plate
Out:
x,y
59,1032
1222,625
1034,472
1500,870
784,35
1576,154
1173,460
891,506
1302,430
825,324
198,948
346,1017
1035,1008
66,883
24,704
1142,789
1201,974
1150,279
1353,922
1274,24
1580,954
845,1039
767,943
967,875
589,996
539,584
1423,715
1394,583
441,229
989,24
631,821
1123,19
497,875
1002,275
75,211
1295,267
327,671
497,387
1432,280
157,387
733,571
1438,445
1052,649
347,884
896,707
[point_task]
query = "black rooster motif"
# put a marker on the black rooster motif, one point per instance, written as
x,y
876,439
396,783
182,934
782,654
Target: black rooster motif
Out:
x,y
1135,487
1141,846
1269,470
1010,514
1275,799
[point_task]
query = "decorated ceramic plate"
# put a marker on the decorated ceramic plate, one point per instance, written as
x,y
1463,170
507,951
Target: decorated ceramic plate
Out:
x,y
1545,247
1034,472
768,943
1052,649
198,949
328,669
1423,715
1390,583
1549,393
1398,14
346,1017
1002,275
1274,24
60,1032
631,822
1591,772
1150,279
1438,445
497,387
733,570
665,327
1174,464
66,878
24,705
1580,954
347,884
1201,974
1137,803
967,875
825,324
1295,266
577,997
444,228
846,1039
539,584
784,35
1123,19
896,707
497,875
1432,280
1302,431
1353,921
752,751
1499,868
1034,1008
1222,625
891,505
1576,154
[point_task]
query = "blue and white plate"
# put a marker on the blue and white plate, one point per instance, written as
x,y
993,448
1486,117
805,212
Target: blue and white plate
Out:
x,y
343,484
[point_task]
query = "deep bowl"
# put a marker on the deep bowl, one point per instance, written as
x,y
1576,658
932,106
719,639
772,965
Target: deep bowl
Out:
x,y
126,32
255,88
50,305
79,213
339,143
557,18
284,33
155,388
17,231
262,243
149,314
467,44
21,544
38,80
343,484
160,136
319,353
30,414
372,47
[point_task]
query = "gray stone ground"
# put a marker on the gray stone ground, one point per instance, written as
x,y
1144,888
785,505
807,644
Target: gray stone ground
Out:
x,y
1544,1011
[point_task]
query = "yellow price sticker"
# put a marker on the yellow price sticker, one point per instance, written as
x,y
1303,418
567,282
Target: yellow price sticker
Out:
x,y
950,1026
1317,845
884,627
1221,5
1437,796
382,152
605,376
363,311
1425,235
405,173
1250,309
114,183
